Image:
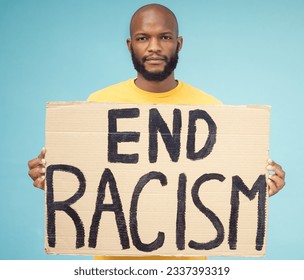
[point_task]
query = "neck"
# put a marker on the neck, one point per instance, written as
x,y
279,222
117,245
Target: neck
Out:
x,y
156,86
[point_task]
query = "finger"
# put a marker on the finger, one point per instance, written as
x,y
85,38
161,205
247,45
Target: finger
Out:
x,y
36,162
40,160
278,181
40,182
37,172
272,189
276,168
273,163
42,153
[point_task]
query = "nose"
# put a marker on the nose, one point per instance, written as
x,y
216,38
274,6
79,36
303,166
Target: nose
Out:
x,y
154,45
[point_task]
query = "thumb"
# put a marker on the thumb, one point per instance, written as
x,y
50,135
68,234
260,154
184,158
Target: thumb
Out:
x,y
42,153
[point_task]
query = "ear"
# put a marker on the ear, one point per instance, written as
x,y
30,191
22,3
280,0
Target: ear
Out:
x,y
129,43
180,43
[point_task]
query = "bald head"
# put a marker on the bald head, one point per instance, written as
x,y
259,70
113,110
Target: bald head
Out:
x,y
154,46
153,13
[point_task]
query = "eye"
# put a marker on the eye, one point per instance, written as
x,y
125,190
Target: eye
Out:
x,y
141,38
166,37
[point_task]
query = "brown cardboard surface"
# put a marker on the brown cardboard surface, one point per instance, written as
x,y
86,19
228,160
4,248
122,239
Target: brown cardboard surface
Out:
x,y
158,205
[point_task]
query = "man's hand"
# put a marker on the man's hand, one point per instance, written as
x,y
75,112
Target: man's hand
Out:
x,y
37,170
276,180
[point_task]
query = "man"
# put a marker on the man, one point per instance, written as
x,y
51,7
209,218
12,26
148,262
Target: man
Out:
x,y
154,45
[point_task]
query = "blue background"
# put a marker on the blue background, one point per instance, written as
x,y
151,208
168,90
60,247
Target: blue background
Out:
x,y
242,52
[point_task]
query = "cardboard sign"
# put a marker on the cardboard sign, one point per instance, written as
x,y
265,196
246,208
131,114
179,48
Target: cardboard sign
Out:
x,y
162,180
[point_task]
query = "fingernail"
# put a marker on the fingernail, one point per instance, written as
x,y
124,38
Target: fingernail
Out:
x,y
42,170
269,167
42,178
270,161
43,161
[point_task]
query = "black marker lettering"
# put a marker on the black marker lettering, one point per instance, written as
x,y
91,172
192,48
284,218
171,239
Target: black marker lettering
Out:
x,y
206,150
159,241
107,178
172,142
53,206
181,209
209,214
237,186
115,137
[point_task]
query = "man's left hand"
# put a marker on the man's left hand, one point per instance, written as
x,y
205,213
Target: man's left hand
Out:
x,y
276,181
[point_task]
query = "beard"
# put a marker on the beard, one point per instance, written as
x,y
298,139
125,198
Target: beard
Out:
x,y
139,66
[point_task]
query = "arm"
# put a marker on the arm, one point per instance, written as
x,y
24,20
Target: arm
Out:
x,y
276,180
37,170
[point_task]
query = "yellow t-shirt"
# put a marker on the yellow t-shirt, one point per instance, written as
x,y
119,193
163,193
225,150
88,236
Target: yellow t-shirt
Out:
x,y
128,92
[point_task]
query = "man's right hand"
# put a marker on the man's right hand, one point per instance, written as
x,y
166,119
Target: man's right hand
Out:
x,y
37,170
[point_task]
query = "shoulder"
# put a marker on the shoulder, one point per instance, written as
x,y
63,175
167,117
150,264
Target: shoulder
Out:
x,y
198,95
108,92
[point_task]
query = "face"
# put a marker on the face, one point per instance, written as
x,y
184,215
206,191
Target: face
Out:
x,y
155,74
154,44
